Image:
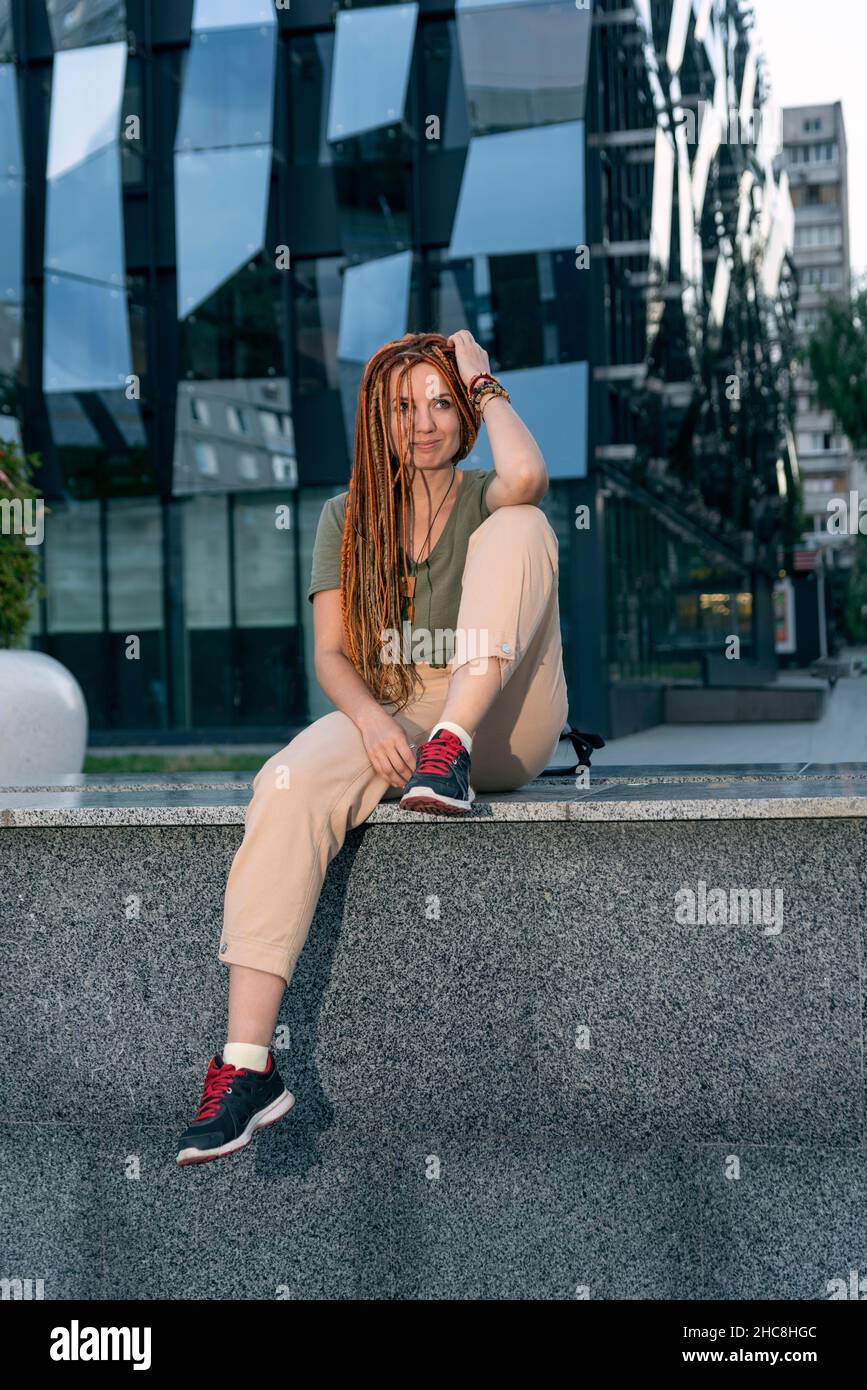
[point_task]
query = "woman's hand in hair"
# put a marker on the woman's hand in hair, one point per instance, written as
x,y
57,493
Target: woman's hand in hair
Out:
x,y
470,356
387,746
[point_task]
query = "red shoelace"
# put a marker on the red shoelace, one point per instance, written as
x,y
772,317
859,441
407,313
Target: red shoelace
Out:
x,y
217,1082
438,754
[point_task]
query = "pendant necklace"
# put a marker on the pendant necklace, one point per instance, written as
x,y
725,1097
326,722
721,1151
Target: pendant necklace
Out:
x,y
407,585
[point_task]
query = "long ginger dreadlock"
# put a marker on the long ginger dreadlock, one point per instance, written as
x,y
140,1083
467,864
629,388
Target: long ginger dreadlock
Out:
x,y
379,510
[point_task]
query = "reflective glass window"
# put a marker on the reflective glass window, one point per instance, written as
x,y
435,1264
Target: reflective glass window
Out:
x,y
6,35
232,14
69,425
264,563
87,343
498,214
206,459
374,306
132,143
444,87
135,567
523,64
72,568
76,23
239,332
228,88
84,220
214,242
311,58
372,57
206,563
318,288
10,124
86,99
553,403
11,246
125,419
374,201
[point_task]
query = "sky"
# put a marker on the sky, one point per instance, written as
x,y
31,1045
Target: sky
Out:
x,y
816,52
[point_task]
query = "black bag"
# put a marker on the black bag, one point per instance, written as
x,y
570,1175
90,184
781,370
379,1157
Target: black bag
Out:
x,y
584,746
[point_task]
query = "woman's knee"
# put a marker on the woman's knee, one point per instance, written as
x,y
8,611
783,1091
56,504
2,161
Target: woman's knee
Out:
x,y
302,757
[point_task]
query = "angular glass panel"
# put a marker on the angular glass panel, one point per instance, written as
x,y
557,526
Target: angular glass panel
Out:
x,y
318,289
86,99
87,346
84,220
75,23
524,64
444,86
239,333
7,45
70,427
375,305
135,566
11,158
522,190
72,568
553,403
265,563
221,199
228,89
125,417
206,563
11,231
311,58
372,57
232,14
374,202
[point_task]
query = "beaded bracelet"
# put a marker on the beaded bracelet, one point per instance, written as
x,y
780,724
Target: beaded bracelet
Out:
x,y
492,388
478,377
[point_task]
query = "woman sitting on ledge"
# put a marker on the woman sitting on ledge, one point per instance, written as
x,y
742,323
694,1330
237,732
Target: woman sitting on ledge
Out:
x,y
467,552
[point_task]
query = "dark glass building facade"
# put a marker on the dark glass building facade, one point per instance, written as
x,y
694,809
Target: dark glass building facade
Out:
x,y
213,212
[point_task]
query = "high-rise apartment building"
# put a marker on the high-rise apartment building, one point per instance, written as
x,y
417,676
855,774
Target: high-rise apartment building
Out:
x,y
814,155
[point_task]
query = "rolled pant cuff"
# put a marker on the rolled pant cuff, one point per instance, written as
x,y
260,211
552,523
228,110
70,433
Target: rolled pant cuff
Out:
x,y
504,650
257,955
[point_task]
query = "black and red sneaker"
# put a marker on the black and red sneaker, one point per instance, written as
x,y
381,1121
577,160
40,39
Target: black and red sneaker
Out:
x,y
236,1102
441,781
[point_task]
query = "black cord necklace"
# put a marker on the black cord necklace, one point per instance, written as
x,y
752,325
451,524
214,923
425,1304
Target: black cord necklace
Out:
x,y
410,585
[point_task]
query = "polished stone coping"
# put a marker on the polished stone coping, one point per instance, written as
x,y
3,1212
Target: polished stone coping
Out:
x,y
756,792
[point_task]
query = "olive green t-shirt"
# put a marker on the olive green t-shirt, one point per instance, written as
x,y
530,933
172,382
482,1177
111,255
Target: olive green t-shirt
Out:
x,y
438,583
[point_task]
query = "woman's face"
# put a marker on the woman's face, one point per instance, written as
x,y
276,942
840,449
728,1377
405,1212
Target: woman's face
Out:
x,y
428,416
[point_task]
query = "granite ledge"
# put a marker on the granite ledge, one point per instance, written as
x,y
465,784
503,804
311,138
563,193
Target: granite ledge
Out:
x,y
726,795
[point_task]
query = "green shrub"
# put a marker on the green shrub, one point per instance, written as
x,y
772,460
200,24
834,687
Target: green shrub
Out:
x,y
19,562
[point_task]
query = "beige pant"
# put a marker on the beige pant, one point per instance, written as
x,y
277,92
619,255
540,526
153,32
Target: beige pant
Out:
x,y
322,784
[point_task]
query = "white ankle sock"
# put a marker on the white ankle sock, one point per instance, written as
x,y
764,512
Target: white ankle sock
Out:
x,y
246,1055
465,738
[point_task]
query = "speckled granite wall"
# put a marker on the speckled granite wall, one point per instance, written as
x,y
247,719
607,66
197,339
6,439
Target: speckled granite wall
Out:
x,y
456,1132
